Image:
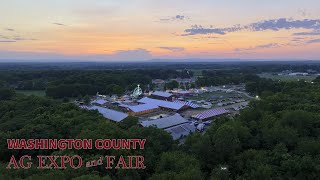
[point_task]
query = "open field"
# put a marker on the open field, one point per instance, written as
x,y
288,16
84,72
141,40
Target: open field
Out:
x,y
287,77
197,72
30,92
207,95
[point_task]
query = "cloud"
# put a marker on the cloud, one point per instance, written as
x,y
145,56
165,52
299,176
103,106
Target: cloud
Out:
x,y
298,39
9,29
16,38
59,24
121,55
208,37
3,37
135,54
303,12
263,46
273,25
175,18
173,49
200,30
6,41
283,23
271,45
313,41
19,39
180,17
23,39
312,33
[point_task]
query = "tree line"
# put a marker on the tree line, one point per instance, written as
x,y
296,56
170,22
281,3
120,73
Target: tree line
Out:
x,y
277,137
74,83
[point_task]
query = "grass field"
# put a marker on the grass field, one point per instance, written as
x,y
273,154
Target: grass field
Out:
x,y
205,96
197,72
30,92
288,78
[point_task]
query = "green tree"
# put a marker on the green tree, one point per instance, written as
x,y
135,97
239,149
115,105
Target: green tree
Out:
x,y
178,165
91,177
129,122
86,99
172,85
6,94
114,89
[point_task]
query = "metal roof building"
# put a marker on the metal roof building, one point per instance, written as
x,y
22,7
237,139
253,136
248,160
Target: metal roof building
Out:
x,y
162,94
109,113
142,107
166,122
99,101
188,103
210,113
161,103
180,130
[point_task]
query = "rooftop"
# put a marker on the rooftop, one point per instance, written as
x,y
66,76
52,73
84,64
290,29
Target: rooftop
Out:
x,y
99,101
161,103
180,130
210,113
142,107
166,122
188,103
162,94
109,113
183,92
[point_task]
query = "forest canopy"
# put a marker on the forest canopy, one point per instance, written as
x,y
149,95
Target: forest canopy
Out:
x,y
276,137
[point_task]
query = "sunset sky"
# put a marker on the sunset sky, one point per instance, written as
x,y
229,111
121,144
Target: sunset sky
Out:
x,y
131,30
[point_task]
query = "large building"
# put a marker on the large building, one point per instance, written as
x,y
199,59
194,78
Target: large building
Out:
x,y
158,82
205,115
142,109
163,104
162,95
181,130
175,125
188,103
110,114
99,101
166,122
183,93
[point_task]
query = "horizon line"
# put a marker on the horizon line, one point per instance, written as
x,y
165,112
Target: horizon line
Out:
x,y
193,60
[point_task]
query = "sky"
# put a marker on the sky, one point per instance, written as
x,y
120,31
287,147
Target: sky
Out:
x,y
138,30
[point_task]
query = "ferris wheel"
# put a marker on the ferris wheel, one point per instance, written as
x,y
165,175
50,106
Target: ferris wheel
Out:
x,y
137,91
